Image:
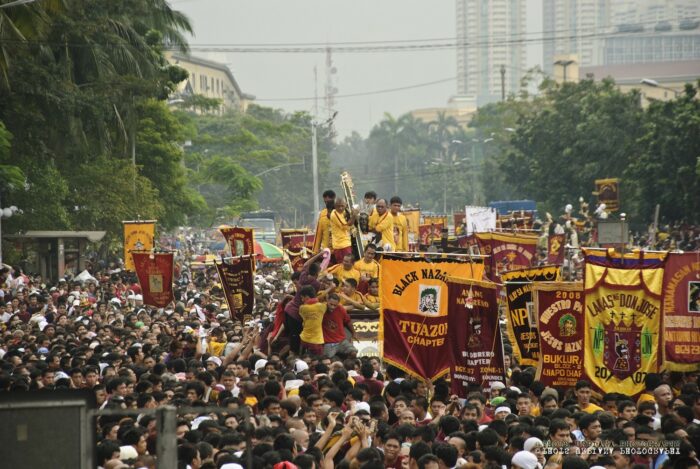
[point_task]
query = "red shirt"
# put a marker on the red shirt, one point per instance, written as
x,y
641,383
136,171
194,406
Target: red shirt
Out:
x,y
334,323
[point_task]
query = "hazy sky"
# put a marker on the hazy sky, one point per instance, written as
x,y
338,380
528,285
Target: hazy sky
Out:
x,y
268,76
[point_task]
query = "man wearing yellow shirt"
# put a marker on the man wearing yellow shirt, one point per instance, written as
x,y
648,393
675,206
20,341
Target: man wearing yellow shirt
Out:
x,y
345,270
323,230
340,230
384,226
400,225
311,312
371,299
350,298
367,266
583,397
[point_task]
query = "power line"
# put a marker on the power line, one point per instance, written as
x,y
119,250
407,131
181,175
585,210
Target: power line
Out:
x,y
368,93
16,3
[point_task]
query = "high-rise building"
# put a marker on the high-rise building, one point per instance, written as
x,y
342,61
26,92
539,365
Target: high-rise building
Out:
x,y
491,38
605,32
574,27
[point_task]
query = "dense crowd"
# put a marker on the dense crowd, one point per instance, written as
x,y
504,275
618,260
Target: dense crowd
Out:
x,y
288,389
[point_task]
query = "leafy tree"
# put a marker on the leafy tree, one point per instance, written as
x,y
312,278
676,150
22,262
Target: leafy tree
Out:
x,y
666,170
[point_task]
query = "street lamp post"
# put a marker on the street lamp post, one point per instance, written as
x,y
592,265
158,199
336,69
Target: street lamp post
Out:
x,y
277,168
656,84
314,158
564,64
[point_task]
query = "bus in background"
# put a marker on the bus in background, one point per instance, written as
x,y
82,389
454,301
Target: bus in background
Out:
x,y
264,224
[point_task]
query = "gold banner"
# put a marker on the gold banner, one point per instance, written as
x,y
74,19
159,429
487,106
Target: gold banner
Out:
x,y
138,236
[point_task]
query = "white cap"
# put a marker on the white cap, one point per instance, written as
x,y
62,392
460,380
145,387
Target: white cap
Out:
x,y
300,365
525,459
361,406
502,409
497,385
260,364
214,359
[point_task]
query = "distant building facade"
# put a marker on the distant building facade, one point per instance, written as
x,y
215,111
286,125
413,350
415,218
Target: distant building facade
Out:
x,y
605,32
210,79
490,34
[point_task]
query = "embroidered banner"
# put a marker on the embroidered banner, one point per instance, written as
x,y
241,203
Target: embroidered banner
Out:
x,y
474,336
155,274
240,240
555,249
236,277
681,312
430,233
622,326
521,322
413,312
608,192
559,311
138,236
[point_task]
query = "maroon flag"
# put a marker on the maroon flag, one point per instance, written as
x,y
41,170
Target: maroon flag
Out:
x,y
236,277
681,311
474,336
155,274
240,240
560,320
555,249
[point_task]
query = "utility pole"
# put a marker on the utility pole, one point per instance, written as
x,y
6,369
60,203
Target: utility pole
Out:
x,y
314,163
503,82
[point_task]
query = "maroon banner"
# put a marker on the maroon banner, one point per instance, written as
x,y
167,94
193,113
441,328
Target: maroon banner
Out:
x,y
560,320
240,240
236,277
295,239
555,249
297,260
429,233
419,346
474,336
681,311
155,274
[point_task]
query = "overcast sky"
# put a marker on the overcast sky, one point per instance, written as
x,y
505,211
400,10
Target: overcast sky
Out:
x,y
284,75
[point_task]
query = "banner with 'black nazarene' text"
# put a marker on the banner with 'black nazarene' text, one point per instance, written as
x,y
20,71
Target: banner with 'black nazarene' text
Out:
x,y
559,311
236,277
521,323
474,334
413,316
622,325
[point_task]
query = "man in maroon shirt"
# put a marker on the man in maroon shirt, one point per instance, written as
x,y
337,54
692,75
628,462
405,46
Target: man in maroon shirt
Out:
x,y
374,386
335,321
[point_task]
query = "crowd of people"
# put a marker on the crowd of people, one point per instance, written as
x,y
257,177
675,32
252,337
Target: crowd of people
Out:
x,y
288,388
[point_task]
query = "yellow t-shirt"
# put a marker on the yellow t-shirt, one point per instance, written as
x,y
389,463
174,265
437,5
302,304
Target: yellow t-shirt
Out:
x,y
356,297
385,226
340,230
339,272
323,231
312,318
216,348
369,268
591,408
371,301
400,232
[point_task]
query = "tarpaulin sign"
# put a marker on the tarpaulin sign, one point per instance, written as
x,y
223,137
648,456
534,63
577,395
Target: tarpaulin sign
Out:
x,y
622,326
414,312
681,311
155,274
476,347
559,311
138,236
521,321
